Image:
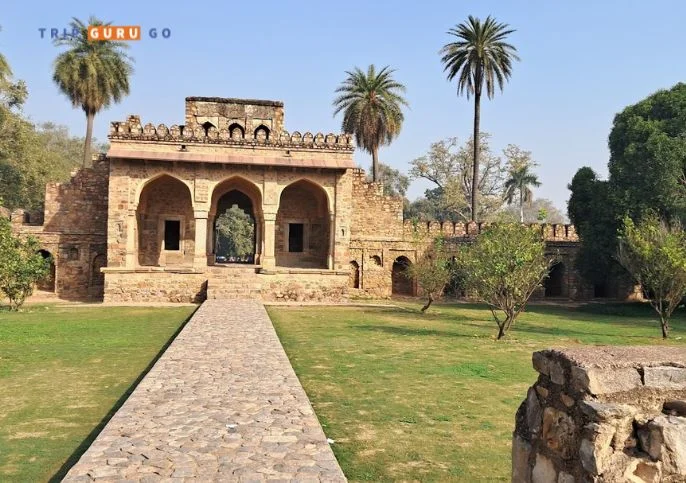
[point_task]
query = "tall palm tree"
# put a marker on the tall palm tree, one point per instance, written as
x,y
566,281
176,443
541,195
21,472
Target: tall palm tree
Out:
x,y
519,182
92,74
372,109
479,54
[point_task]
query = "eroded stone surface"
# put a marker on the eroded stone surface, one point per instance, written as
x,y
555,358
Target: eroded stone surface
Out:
x,y
222,403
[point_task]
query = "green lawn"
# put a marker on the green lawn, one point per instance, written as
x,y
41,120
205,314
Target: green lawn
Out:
x,y
65,370
433,397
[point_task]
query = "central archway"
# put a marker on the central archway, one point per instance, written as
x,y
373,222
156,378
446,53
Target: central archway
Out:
x,y
401,284
236,222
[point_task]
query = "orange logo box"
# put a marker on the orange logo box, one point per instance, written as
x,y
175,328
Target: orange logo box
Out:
x,y
113,32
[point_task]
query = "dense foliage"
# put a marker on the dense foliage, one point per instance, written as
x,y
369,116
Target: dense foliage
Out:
x,y
236,233
647,173
655,255
21,266
502,268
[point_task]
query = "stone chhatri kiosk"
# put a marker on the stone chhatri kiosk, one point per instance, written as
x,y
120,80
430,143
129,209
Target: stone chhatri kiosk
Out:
x,y
139,225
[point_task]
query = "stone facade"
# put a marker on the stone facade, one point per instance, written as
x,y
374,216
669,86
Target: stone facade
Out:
x,y
603,414
140,224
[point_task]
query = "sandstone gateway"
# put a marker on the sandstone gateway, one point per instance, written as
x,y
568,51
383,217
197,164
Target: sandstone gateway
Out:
x,y
139,225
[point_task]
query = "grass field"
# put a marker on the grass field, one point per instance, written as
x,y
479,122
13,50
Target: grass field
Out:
x,y
433,397
62,372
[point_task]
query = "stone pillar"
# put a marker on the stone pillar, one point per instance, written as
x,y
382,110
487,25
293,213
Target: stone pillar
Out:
x,y
200,255
209,245
131,239
332,241
258,240
269,257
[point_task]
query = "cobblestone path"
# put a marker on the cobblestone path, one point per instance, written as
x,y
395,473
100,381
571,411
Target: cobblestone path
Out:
x,y
221,404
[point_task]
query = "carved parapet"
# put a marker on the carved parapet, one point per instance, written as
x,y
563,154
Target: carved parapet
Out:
x,y
552,232
132,130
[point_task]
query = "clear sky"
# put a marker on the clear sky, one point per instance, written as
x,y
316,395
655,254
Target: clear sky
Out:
x,y
582,62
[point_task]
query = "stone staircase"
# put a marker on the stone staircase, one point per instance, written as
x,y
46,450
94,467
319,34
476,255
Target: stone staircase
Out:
x,y
233,282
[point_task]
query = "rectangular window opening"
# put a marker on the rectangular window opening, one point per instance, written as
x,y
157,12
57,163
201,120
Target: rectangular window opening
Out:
x,y
172,234
295,237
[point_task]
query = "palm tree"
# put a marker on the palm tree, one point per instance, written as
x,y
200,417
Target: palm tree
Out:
x,y
519,182
479,54
92,74
372,109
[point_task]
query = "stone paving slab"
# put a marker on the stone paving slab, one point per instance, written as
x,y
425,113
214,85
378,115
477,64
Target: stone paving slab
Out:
x,y
222,404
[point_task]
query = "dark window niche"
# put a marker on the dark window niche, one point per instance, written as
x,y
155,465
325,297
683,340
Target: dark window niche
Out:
x,y
295,237
172,234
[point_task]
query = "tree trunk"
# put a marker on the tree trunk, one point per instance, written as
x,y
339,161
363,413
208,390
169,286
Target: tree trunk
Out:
x,y
501,330
475,168
428,303
664,322
87,143
375,164
521,207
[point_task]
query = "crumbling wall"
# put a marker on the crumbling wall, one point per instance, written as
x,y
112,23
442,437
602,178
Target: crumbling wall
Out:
x,y
603,414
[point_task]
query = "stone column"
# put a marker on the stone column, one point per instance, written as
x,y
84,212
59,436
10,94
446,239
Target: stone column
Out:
x,y
200,255
269,257
259,224
131,239
332,241
209,245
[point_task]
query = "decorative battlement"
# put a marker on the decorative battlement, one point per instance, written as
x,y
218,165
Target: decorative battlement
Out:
x,y
132,130
550,232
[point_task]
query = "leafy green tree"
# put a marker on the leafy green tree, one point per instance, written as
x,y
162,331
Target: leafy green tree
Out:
x,y
519,185
594,215
502,268
449,167
394,182
648,156
479,55
655,255
92,74
647,174
432,271
372,105
236,231
21,266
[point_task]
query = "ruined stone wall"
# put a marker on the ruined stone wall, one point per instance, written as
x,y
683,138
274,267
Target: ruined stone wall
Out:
x,y
155,286
603,414
73,232
305,287
374,215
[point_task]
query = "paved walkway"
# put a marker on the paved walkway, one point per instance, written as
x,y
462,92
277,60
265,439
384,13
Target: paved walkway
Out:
x,y
221,404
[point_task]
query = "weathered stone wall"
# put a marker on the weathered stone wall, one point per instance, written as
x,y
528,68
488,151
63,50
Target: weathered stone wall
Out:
x,y
227,113
154,286
73,232
305,287
374,215
603,414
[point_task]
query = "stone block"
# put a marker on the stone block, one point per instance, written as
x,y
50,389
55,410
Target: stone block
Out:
x,y
544,471
541,363
565,478
664,439
643,471
521,449
598,381
533,413
595,452
559,432
665,377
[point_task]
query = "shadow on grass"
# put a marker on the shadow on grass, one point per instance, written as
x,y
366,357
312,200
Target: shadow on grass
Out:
x,y
395,330
85,444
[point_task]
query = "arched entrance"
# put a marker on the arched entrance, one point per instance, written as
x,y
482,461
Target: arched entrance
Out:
x,y
302,226
354,281
401,284
554,284
166,227
236,222
47,284
234,229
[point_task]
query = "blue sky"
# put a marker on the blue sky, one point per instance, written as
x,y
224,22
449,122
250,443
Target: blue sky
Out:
x,y
582,62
